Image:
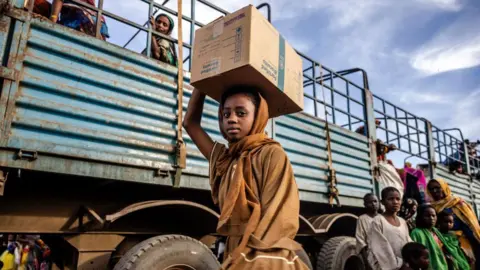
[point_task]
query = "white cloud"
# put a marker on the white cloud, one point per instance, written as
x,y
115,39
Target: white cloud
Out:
x,y
414,97
466,115
449,5
455,47
451,55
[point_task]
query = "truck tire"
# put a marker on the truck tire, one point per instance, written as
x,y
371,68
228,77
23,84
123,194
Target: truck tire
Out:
x,y
339,253
168,252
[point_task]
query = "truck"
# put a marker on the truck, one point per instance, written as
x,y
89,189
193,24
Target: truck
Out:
x,y
91,150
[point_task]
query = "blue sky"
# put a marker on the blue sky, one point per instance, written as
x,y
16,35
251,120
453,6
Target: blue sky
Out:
x,y
422,55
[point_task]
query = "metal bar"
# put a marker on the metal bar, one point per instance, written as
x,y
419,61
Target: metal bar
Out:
x,y
387,116
446,149
98,26
269,10
332,96
398,130
348,107
418,136
327,69
192,31
315,105
208,4
330,106
150,29
344,95
403,136
386,122
354,123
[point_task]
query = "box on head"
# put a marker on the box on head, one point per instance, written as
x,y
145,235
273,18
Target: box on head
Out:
x,y
244,48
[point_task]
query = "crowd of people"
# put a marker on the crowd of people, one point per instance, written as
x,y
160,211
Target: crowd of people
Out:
x,y
446,232
83,19
443,234
24,252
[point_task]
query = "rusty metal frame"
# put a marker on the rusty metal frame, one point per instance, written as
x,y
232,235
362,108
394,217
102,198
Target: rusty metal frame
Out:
x,y
150,204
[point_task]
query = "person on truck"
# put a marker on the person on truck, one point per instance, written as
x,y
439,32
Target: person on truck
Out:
x,y
251,180
465,221
41,7
163,49
78,17
388,234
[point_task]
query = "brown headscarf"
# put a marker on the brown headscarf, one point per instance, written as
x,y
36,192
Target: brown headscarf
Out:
x,y
253,183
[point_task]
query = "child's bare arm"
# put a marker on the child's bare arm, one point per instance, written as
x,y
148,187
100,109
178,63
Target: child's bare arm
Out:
x,y
192,124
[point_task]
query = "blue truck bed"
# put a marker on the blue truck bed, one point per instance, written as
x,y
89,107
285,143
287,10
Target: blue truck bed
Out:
x,y
76,105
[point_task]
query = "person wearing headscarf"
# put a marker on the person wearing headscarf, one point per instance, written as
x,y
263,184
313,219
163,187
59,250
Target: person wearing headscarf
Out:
x,y
466,225
252,182
163,49
78,17
41,7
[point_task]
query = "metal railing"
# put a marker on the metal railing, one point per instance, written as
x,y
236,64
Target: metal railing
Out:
x,y
406,130
329,95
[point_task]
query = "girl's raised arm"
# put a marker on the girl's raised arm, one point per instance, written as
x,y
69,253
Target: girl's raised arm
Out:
x,y
192,124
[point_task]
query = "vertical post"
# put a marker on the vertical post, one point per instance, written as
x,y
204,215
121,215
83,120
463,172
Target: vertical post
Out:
x,y
314,66
192,31
99,19
371,135
386,122
466,158
332,96
431,150
150,29
348,106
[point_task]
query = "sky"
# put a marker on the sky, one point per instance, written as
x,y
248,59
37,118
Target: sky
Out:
x,y
421,55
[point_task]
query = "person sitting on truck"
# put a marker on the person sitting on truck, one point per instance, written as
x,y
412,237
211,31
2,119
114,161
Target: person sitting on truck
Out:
x,y
363,131
388,234
41,7
415,257
78,17
370,201
163,49
252,181
465,221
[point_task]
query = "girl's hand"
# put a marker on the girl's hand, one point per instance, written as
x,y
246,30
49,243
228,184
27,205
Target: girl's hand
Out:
x,y
152,21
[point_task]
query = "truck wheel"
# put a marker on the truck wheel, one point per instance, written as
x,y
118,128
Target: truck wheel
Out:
x,y
339,253
169,252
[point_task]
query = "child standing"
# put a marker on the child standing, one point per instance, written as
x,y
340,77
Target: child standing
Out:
x,y
415,257
457,257
388,234
252,182
370,201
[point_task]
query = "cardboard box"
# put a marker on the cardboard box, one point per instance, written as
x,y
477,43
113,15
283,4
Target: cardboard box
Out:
x,y
244,48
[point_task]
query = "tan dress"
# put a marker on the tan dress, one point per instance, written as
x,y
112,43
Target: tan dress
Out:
x,y
272,194
385,243
364,223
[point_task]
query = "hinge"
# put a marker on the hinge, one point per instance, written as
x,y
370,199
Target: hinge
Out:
x,y
27,155
161,173
8,73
